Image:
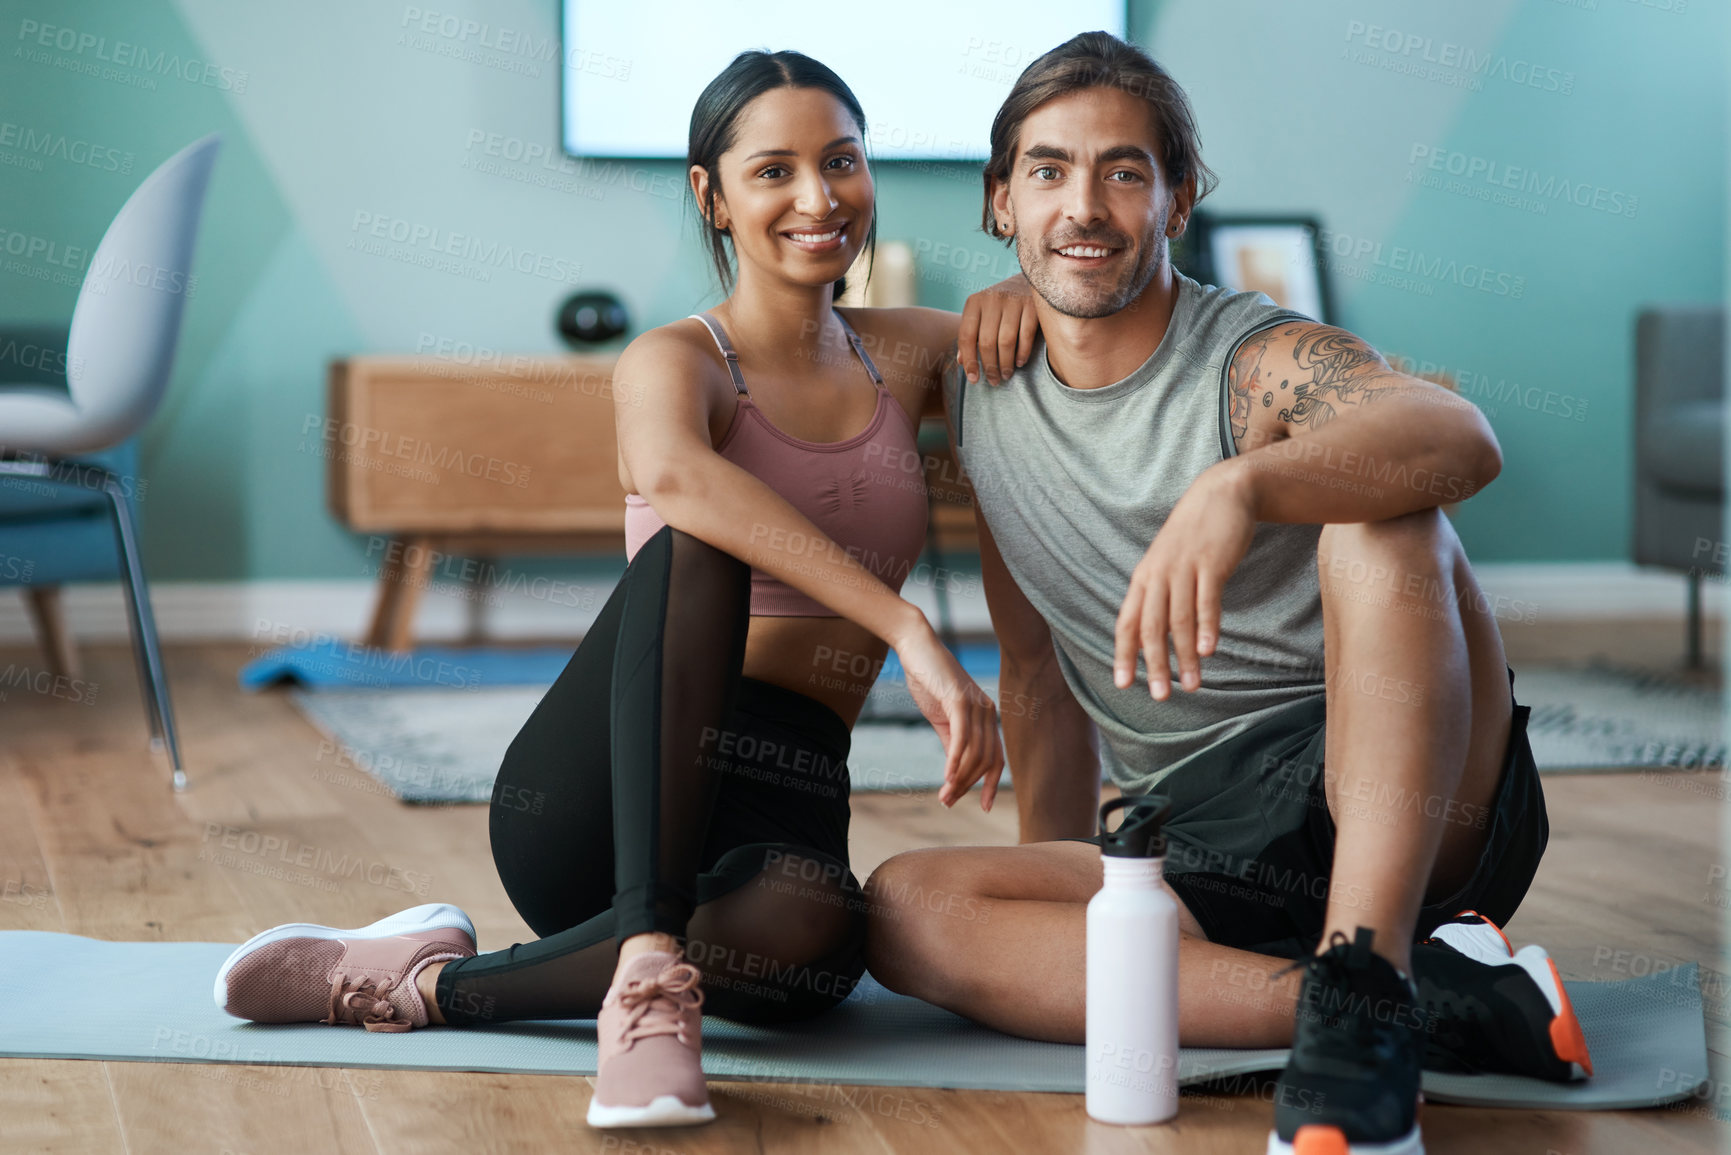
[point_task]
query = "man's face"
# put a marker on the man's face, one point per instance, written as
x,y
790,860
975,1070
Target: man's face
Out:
x,y
1088,201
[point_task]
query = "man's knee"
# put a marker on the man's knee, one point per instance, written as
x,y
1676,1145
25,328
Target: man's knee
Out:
x,y
906,881
1421,529
1410,556
888,890
908,931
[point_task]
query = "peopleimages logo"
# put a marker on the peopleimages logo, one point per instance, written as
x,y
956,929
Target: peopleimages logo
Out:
x,y
44,251
39,144
1354,255
383,443
434,242
36,36
590,177
511,49
1486,171
1448,60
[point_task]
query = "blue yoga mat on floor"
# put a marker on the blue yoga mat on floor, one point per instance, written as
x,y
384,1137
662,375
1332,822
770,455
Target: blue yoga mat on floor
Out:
x,y
333,664
1647,1035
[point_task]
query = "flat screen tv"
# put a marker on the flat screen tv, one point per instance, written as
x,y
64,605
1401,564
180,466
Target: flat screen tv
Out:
x,y
930,74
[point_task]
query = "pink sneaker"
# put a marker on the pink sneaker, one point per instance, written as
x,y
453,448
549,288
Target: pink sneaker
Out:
x,y
650,1033
304,973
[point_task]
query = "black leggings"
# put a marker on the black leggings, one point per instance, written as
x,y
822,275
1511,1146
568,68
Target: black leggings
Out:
x,y
657,789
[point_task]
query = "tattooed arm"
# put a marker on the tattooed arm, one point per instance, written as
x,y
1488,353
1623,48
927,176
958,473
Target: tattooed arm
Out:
x,y
1328,431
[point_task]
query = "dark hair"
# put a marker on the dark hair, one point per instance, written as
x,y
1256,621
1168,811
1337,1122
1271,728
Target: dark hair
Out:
x,y
1100,60
714,117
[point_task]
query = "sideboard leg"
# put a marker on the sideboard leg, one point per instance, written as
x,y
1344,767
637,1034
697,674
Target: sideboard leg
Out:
x,y
476,597
402,580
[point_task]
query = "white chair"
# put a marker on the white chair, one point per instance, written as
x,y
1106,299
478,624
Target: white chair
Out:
x,y
119,355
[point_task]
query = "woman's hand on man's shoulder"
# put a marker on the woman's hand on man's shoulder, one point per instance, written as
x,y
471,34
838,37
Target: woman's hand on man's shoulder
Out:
x,y
996,337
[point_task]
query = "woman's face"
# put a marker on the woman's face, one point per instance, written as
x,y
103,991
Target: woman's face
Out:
x,y
795,192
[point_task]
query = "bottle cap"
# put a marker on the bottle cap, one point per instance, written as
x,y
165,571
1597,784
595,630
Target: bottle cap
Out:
x,y
1142,834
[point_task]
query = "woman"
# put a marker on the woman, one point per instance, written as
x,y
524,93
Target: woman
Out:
x,y
672,819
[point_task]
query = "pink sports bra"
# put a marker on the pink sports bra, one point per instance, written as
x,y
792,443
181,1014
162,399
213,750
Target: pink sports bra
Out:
x,y
867,494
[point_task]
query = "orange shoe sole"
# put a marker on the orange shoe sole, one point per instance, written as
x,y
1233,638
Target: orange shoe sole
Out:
x,y
1566,1037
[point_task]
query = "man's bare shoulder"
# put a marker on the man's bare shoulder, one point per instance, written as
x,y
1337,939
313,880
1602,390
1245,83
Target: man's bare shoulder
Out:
x,y
1298,375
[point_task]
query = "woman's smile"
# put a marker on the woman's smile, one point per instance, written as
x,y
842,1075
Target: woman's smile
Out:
x,y
826,238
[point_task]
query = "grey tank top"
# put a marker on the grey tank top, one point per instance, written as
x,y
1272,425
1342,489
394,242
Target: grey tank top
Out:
x,y
1075,483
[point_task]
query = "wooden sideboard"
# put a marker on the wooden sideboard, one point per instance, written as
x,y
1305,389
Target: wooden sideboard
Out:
x,y
513,458
440,457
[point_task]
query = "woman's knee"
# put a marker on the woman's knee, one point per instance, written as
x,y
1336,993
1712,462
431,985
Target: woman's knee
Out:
x,y
786,988
683,551
781,869
769,908
823,896
688,579
790,996
796,960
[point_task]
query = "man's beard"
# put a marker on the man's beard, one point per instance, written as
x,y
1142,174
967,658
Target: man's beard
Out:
x,y
1090,295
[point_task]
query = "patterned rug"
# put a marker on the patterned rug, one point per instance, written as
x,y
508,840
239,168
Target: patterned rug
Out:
x,y
444,745
1598,716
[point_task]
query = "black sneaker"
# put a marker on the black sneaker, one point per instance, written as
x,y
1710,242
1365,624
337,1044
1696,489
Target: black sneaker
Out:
x,y
1495,1009
1352,1084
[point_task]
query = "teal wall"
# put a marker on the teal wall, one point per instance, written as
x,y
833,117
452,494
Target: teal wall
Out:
x,y
331,108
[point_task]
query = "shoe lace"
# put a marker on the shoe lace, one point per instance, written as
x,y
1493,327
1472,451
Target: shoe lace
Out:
x,y
1329,979
365,1002
656,1006
1335,939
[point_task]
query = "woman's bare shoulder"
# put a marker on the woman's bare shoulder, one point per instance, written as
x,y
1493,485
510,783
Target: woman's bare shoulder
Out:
x,y
679,346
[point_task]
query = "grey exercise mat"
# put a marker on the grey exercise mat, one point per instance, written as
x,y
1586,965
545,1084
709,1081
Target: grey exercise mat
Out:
x,y
1647,1035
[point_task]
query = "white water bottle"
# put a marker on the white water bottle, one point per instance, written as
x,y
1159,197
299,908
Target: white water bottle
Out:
x,y
1133,972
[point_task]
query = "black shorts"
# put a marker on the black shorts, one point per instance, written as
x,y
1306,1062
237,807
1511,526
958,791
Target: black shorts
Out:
x,y
783,774
1250,844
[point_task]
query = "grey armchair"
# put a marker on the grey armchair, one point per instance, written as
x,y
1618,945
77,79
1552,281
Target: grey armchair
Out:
x,y
1679,447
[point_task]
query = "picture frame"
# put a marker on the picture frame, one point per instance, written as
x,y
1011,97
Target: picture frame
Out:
x,y
1278,255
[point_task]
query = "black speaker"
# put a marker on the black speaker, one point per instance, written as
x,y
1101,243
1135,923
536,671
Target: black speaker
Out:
x,y
591,317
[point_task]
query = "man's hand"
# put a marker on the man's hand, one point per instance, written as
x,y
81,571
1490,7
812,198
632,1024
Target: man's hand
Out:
x,y
1175,589
998,328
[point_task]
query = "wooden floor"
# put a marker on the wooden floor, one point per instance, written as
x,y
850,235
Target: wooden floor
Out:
x,y
93,842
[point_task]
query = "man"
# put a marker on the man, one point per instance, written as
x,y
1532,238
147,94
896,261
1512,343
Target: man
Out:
x,y
1187,467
